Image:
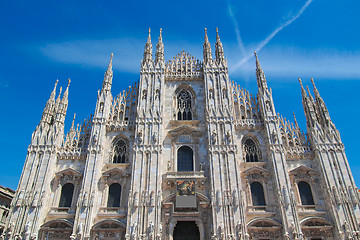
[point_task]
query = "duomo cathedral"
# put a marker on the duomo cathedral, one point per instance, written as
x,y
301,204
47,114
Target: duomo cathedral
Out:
x,y
185,153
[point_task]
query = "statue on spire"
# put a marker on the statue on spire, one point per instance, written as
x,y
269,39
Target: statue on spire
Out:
x,y
148,49
219,50
260,75
108,76
207,49
159,49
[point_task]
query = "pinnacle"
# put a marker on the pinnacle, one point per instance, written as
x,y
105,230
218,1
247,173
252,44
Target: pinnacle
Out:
x,y
149,37
257,60
217,35
206,37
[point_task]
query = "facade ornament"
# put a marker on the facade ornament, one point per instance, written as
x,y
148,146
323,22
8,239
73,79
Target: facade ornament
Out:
x,y
274,136
228,137
139,137
213,136
154,138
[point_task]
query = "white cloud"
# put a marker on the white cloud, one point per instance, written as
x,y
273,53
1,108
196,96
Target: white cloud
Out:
x,y
96,53
279,61
128,52
298,62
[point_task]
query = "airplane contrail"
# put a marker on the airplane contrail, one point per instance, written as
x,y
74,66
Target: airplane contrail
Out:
x,y
273,34
237,31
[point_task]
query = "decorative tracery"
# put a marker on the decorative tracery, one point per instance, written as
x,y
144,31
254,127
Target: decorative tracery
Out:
x,y
250,151
184,106
120,154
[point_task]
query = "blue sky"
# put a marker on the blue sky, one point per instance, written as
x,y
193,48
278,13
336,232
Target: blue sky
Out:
x,y
42,41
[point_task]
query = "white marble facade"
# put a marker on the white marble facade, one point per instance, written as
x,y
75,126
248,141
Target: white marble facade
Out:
x,y
185,153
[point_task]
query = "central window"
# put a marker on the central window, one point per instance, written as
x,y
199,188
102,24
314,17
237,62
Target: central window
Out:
x,y
120,152
184,106
185,159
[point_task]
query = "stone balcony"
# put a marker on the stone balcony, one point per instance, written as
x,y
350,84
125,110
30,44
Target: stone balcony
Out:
x,y
171,177
62,212
115,212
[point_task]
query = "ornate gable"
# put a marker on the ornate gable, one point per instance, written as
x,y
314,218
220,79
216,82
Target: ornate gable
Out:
x,y
115,175
256,173
183,66
303,172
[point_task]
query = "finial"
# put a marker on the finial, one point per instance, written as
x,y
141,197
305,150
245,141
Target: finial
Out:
x,y
206,37
310,96
257,60
110,62
217,35
296,123
58,98
303,92
73,121
149,36
53,93
69,81
160,36
313,83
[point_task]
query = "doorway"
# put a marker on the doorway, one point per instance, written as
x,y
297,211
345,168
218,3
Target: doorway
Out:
x,y
186,230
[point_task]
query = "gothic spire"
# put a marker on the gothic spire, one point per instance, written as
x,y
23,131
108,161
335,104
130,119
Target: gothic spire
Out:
x,y
303,92
148,49
73,122
207,49
324,113
53,93
49,107
219,50
316,92
64,100
58,100
159,49
296,123
108,76
260,75
310,95
308,104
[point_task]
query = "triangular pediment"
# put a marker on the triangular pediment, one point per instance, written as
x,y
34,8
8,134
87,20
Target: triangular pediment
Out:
x,y
303,169
116,171
256,169
69,172
184,129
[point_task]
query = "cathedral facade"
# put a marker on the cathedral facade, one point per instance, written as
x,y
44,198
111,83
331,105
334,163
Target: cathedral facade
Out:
x,y
185,153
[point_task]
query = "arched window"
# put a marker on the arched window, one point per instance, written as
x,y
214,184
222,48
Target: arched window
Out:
x,y
66,196
120,152
184,106
185,159
250,150
305,193
257,194
114,195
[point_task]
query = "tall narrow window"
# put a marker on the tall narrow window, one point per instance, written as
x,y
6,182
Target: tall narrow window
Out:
x,y
120,152
184,106
114,195
257,194
250,150
185,159
66,196
305,193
